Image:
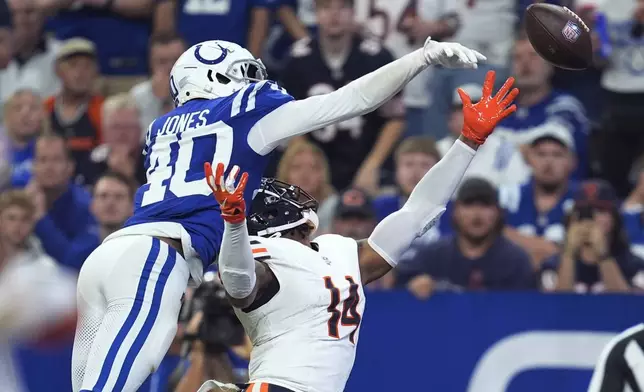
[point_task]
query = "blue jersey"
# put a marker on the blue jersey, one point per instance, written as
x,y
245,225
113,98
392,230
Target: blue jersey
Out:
x,y
522,214
563,109
21,163
180,142
227,20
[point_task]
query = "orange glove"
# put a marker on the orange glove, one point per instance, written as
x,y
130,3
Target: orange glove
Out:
x,y
229,197
481,118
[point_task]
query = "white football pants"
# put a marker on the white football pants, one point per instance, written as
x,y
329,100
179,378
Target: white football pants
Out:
x,y
129,296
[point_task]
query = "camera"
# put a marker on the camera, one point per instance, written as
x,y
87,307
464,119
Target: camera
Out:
x,y
220,328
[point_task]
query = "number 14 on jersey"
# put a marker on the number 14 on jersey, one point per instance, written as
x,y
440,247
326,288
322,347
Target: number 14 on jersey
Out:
x,y
349,315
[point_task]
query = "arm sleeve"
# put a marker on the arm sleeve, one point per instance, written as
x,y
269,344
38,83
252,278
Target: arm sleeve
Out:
x,y
236,261
359,97
393,236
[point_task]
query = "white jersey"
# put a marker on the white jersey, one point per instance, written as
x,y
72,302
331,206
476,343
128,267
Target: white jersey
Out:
x,y
304,338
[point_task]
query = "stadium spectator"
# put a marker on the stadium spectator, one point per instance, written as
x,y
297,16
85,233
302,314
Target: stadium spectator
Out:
x,y
62,208
244,22
596,256
17,213
539,105
633,209
413,158
5,162
535,210
476,257
358,149
619,41
24,121
153,95
37,298
498,160
112,204
489,27
121,150
119,28
354,215
403,26
355,218
304,164
75,112
6,36
34,57
294,20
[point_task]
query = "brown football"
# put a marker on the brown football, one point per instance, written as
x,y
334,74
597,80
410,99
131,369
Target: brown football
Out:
x,y
559,36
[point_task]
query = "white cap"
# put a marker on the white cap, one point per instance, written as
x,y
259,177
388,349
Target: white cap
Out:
x,y
552,130
475,91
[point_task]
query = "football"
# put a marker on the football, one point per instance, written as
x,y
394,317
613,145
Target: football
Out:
x,y
559,36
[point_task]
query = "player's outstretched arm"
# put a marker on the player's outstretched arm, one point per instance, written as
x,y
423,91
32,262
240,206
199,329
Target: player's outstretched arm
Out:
x,y
393,236
361,96
241,275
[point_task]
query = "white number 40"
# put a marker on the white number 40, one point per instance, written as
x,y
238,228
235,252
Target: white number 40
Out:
x,y
178,177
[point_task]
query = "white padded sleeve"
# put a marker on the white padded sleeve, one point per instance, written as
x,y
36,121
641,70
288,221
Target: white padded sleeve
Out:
x,y
236,262
361,96
394,234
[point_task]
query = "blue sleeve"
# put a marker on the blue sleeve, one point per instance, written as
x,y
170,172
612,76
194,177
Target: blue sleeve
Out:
x,y
256,101
80,248
568,110
53,240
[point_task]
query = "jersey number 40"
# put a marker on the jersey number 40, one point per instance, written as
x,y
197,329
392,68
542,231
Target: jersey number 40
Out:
x,y
349,315
176,162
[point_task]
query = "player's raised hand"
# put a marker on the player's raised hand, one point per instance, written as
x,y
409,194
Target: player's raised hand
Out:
x,y
229,196
451,54
481,118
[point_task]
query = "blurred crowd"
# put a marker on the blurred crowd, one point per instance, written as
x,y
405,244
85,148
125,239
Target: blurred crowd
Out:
x,y
554,200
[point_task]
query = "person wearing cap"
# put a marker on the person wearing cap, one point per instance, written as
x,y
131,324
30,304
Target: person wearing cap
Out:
x,y
535,210
497,160
354,215
476,257
539,104
595,256
75,112
33,56
355,218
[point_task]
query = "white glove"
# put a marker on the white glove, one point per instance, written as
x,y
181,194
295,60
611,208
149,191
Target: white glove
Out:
x,y
451,54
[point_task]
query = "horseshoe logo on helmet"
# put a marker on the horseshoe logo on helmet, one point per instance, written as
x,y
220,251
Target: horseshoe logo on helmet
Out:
x,y
218,60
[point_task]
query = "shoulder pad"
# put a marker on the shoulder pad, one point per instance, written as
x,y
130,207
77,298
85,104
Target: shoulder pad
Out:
x,y
371,46
301,48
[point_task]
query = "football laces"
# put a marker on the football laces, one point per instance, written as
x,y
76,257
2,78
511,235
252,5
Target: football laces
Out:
x,y
577,18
